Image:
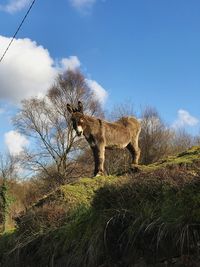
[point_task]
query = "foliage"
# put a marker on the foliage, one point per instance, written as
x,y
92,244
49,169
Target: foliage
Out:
x,y
5,202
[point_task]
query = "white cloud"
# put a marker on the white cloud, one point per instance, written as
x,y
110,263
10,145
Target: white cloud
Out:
x,y
72,63
27,70
15,142
82,5
184,119
13,6
99,92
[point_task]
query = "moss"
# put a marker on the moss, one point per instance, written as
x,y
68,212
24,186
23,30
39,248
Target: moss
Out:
x,y
187,159
82,191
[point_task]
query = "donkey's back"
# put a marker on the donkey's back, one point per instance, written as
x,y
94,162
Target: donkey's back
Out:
x,y
122,132
129,122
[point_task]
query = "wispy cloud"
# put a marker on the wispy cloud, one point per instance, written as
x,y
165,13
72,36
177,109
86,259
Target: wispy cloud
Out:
x,y
83,6
14,6
184,119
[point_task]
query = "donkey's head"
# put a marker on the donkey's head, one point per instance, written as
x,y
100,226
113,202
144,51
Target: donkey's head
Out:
x,y
77,118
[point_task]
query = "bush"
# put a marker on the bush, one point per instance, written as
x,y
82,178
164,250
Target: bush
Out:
x,y
42,219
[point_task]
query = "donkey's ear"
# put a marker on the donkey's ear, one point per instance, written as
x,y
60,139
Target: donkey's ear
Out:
x,y
80,107
69,108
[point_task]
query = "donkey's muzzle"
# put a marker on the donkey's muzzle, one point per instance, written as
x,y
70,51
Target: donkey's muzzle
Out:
x,y
79,130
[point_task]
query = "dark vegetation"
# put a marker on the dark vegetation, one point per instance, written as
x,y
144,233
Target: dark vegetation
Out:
x,y
125,219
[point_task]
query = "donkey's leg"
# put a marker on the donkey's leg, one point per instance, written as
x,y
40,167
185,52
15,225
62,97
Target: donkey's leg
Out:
x,y
135,152
96,159
101,158
131,149
136,147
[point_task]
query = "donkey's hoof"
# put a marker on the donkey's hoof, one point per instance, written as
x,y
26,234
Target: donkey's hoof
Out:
x,y
99,174
135,168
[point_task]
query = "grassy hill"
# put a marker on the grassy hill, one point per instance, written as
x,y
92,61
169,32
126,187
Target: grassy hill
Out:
x,y
149,218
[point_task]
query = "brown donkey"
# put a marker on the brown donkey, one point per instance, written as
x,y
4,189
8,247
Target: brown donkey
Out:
x,y
101,134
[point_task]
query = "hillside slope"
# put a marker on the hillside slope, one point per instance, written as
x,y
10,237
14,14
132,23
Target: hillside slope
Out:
x,y
149,218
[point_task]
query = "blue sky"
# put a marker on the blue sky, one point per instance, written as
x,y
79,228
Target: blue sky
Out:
x,y
143,51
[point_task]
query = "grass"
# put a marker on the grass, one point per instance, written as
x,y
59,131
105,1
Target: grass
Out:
x,y
83,191
153,215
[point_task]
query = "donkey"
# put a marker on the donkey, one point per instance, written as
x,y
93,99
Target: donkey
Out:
x,y
101,134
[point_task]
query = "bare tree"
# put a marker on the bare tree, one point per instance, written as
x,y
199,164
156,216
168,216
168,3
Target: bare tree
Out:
x,y
197,140
122,110
47,124
182,140
155,137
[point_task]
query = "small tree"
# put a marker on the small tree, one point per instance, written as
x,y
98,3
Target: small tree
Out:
x,y
155,137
